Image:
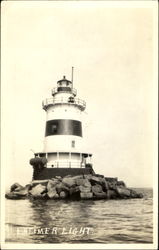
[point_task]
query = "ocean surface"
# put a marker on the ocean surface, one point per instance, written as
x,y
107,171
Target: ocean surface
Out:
x,y
100,221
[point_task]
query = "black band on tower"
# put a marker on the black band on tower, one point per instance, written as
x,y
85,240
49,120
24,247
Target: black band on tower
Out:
x,y
63,127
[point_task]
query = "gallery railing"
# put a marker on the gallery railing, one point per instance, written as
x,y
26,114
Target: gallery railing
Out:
x,y
64,100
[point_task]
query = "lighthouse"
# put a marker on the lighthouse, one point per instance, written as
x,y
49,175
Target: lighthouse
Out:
x,y
63,150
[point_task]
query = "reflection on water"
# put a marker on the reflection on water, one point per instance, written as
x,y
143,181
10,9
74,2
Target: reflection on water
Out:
x,y
113,221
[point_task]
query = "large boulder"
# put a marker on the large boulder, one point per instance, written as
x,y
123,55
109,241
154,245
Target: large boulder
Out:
x,y
85,189
86,196
95,180
19,192
112,182
77,177
79,181
123,192
97,189
103,183
140,195
83,182
111,179
58,178
74,190
61,187
28,187
120,184
111,185
99,175
134,194
87,176
68,181
38,190
52,183
16,187
22,192
14,196
42,182
112,194
100,195
52,194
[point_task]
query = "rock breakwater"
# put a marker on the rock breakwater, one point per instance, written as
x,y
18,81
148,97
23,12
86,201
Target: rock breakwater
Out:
x,y
74,187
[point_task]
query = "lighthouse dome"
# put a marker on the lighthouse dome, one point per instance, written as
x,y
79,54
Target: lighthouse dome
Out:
x,y
64,81
64,85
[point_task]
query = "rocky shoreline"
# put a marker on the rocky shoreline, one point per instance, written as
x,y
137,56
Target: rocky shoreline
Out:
x,y
81,187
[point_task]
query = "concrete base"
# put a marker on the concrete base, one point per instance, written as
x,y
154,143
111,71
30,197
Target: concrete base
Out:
x,y
48,173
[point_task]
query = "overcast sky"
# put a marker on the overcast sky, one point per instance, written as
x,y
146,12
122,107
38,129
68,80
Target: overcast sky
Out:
x,y
112,50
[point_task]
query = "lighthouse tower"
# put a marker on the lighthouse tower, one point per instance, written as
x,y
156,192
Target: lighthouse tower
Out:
x,y
63,143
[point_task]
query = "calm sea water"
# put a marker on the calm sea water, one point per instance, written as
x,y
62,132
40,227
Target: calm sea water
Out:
x,y
112,221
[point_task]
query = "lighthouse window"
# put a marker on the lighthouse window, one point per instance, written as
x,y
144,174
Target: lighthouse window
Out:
x,y
73,144
54,128
63,127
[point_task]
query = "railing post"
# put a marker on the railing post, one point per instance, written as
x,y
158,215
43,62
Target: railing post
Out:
x,y
57,159
70,159
80,160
